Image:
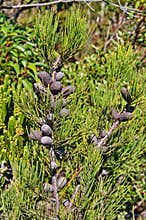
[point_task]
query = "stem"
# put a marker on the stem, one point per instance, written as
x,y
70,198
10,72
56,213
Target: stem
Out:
x,y
103,140
53,159
55,192
74,195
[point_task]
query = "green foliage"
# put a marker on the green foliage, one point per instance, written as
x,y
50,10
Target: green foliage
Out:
x,y
61,40
17,54
99,90
98,80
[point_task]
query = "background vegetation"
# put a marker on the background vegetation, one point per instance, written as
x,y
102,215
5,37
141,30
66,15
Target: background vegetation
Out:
x,y
100,49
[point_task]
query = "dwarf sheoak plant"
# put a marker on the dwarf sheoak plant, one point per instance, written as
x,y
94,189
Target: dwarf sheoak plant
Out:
x,y
56,171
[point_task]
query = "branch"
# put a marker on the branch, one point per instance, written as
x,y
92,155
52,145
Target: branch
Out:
x,y
47,3
74,196
56,196
108,41
103,140
123,8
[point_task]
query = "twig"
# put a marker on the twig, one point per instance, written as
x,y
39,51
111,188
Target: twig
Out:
x,y
54,179
107,36
102,11
55,192
47,3
103,140
115,32
74,195
53,159
92,9
123,8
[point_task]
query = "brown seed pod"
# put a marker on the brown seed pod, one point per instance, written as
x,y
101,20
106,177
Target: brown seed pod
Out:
x,y
35,135
59,76
115,114
53,165
45,78
46,130
40,88
64,112
55,87
125,94
49,119
61,182
68,90
45,140
48,187
41,121
125,116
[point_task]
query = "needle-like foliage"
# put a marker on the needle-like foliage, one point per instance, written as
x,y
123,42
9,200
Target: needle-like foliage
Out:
x,y
99,179
56,39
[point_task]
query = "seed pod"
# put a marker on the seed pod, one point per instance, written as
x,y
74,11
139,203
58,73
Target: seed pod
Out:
x,y
35,135
48,187
61,182
125,94
93,139
115,114
49,117
64,112
66,203
45,78
53,165
68,90
59,76
40,88
46,130
45,140
143,214
55,87
41,121
125,116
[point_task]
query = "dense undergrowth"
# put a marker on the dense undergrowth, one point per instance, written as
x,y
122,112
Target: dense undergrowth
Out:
x,y
100,181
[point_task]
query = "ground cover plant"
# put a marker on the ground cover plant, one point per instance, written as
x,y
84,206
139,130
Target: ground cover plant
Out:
x,y
72,142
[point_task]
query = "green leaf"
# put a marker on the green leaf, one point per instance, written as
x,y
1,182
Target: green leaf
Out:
x,y
17,68
32,66
20,48
12,125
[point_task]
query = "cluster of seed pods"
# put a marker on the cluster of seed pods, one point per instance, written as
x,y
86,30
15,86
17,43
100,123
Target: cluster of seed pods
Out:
x,y
58,95
100,140
51,86
125,115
